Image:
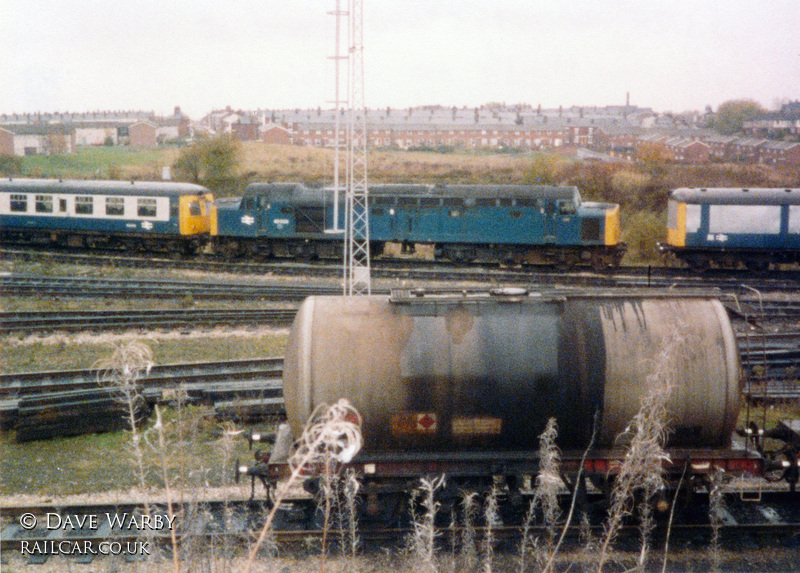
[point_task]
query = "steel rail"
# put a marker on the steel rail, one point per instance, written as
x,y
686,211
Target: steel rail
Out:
x,y
46,404
105,320
419,269
32,530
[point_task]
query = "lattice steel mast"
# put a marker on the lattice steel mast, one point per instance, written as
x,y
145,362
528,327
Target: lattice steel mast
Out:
x,y
357,280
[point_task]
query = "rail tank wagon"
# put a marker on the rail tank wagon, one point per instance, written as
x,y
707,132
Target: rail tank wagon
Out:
x,y
485,371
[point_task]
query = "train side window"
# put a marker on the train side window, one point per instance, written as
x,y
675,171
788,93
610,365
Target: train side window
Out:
x,y
115,206
44,204
407,201
84,205
378,211
485,202
453,202
505,202
566,208
19,203
525,202
147,208
195,210
429,202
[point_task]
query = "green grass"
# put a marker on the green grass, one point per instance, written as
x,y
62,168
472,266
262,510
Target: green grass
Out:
x,y
71,353
99,463
94,163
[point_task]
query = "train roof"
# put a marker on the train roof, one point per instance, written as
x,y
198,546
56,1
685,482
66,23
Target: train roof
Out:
x,y
738,195
301,193
79,187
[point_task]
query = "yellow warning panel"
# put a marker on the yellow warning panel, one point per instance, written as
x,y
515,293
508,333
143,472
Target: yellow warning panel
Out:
x,y
477,426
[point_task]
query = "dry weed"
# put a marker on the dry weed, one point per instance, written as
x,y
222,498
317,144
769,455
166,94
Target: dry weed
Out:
x,y
421,542
641,475
331,433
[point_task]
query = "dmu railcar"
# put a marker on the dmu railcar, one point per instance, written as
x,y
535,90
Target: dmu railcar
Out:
x,y
516,224
160,217
728,227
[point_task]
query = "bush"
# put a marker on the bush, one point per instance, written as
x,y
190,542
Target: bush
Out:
x,y
643,230
212,161
10,165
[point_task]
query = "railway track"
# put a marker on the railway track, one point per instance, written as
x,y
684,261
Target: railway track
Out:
x,y
42,405
109,320
81,287
37,533
424,270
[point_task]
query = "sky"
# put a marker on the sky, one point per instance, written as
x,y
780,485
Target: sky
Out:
x,y
154,55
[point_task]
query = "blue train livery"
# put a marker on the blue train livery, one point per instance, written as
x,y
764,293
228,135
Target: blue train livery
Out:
x,y
168,217
517,224
728,227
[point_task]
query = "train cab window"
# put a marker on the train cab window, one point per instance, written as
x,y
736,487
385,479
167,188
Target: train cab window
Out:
x,y
248,203
44,204
19,203
195,210
147,208
263,202
84,205
115,206
566,208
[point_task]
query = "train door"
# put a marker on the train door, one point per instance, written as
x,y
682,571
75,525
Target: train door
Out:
x,y
566,223
548,210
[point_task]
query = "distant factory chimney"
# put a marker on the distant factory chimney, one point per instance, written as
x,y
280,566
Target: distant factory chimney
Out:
x,y
627,99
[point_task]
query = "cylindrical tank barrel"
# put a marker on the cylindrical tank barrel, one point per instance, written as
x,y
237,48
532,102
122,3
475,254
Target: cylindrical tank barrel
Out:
x,y
454,375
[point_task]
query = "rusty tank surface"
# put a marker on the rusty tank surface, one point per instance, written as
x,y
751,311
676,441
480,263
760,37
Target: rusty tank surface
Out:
x,y
466,371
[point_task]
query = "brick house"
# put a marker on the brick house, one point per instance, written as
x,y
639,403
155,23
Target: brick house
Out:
x,y
143,134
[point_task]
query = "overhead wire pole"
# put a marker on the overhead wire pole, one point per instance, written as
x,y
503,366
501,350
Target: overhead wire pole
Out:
x,y
357,280
338,14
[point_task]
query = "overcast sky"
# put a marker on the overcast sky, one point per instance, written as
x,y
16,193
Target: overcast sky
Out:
x,y
671,55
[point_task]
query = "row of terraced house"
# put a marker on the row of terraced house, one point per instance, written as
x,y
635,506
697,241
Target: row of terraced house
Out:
x,y
51,133
612,132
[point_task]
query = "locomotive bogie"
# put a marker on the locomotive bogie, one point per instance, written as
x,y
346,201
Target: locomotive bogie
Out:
x,y
752,227
105,214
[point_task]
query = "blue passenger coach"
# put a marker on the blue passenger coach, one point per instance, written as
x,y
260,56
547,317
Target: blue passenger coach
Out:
x,y
755,227
153,216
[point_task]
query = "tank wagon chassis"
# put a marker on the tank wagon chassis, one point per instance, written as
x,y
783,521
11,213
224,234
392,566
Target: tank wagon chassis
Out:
x,y
462,383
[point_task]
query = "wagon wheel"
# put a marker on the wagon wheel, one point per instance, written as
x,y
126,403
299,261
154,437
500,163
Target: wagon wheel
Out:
x,y
699,263
756,264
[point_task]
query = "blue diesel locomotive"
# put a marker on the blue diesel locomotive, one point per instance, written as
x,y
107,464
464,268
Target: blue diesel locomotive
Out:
x,y
160,217
728,227
517,224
